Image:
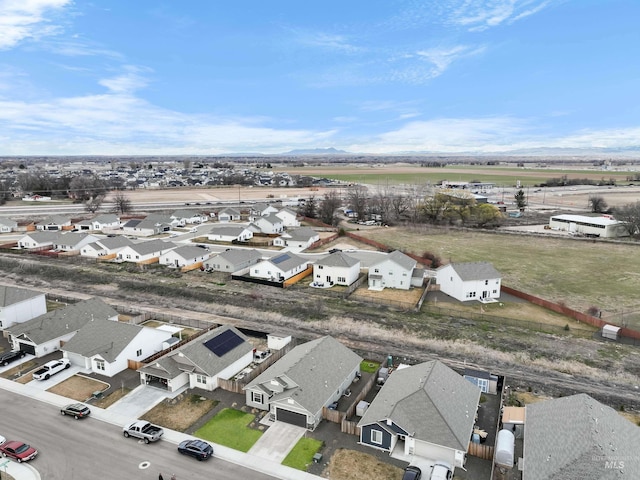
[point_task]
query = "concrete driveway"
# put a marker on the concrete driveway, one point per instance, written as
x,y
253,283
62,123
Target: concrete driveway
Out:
x,y
277,441
138,401
56,379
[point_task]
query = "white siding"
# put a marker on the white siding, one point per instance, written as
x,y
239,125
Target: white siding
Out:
x,y
22,311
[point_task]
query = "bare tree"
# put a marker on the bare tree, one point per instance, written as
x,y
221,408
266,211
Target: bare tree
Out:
x,y
328,207
630,215
86,187
93,205
598,204
310,208
122,204
358,202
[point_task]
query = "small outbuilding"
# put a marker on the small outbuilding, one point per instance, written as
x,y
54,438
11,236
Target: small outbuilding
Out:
x,y
611,332
505,448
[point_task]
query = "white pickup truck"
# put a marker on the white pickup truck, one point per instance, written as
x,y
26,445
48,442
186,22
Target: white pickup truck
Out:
x,y
51,368
143,430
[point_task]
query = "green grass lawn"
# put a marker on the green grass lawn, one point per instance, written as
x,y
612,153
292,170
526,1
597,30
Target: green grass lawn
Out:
x,y
230,428
301,456
369,366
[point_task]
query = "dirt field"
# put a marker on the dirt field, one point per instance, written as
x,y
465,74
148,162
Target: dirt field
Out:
x,y
78,387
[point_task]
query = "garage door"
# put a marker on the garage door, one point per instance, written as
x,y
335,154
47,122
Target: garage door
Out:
x,y
26,347
294,418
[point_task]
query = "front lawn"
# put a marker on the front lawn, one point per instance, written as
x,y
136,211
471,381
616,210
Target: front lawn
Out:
x,y
230,428
301,456
181,415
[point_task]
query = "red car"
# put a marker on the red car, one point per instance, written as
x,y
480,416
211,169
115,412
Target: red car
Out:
x,y
19,451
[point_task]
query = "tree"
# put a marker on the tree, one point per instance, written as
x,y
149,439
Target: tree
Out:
x,y
485,215
598,204
357,198
86,187
630,215
328,207
310,208
121,203
93,205
521,200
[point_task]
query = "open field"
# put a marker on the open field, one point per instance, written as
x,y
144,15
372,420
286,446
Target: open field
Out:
x,y
580,274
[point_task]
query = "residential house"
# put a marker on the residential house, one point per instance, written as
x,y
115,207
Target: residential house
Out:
x,y
18,305
185,217
485,381
232,261
309,377
73,241
261,210
7,225
289,217
153,224
228,215
393,271
145,251
298,239
270,224
184,256
105,246
54,222
106,346
279,268
227,233
578,437
48,332
426,410
337,268
40,239
105,221
202,362
469,281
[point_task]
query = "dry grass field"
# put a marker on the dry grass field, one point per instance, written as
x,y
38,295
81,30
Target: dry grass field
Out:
x,y
352,465
181,415
78,387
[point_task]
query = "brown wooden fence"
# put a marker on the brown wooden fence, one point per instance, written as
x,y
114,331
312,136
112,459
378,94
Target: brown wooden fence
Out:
x,y
481,450
296,278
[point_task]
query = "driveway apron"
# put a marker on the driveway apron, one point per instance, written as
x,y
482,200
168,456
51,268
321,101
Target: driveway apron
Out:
x,y
277,441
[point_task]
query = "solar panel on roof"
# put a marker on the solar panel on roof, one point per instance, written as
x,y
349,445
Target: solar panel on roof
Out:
x,y
224,343
280,259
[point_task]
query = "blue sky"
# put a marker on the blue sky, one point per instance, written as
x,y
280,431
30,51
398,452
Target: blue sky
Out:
x,y
207,77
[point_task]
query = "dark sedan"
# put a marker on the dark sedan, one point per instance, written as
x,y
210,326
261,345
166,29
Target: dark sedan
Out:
x,y
21,452
76,410
196,448
7,358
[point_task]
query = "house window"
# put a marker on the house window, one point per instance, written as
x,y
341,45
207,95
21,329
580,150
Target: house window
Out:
x,y
255,271
139,352
495,291
201,379
342,279
483,384
256,397
100,365
320,267
376,270
486,282
376,437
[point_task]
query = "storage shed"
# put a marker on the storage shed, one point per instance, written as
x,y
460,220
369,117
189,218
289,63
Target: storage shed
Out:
x,y
505,446
611,331
513,420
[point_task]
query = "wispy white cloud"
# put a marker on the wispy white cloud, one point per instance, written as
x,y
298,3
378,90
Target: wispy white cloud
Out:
x,y
128,82
329,41
478,15
23,19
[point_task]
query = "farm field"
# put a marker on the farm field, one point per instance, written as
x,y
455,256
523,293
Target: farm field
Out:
x,y
580,274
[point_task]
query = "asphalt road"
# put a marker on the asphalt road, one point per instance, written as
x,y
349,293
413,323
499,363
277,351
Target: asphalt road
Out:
x,y
90,449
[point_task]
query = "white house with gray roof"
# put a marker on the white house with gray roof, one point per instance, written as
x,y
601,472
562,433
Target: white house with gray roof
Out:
x,y
228,233
578,437
185,216
289,217
395,270
269,224
426,410
152,224
145,251
105,346
337,268
228,215
279,267
40,239
298,238
46,333
469,281
54,222
7,225
73,241
200,363
261,210
233,260
18,305
184,256
309,377
105,246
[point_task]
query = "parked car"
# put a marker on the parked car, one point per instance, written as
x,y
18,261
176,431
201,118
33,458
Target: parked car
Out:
x,y
51,368
441,471
196,448
7,358
19,451
143,430
76,410
412,473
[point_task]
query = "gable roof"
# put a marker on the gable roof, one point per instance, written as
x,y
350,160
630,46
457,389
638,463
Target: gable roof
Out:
x,y
195,356
189,252
227,230
118,241
61,321
229,211
184,213
400,259
54,220
431,401
153,220
106,218
338,259
72,238
286,261
152,246
240,255
572,437
318,368
107,338
475,271
44,236
12,295
302,234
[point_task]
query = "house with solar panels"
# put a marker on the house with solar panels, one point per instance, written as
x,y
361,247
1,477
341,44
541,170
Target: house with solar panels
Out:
x,y
469,281
279,268
200,363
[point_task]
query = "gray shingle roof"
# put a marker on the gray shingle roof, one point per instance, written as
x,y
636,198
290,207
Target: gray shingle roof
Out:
x,y
338,259
106,218
302,234
429,400
189,252
399,258
12,295
59,322
157,245
475,271
234,256
228,230
111,243
286,261
572,438
317,368
44,236
106,338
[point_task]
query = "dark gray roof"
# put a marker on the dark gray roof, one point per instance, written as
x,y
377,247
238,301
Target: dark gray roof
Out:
x,y
338,259
12,295
317,368
573,438
61,321
399,258
286,261
106,338
475,271
196,357
429,400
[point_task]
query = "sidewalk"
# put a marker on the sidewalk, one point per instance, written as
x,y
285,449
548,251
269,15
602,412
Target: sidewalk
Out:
x,y
26,472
